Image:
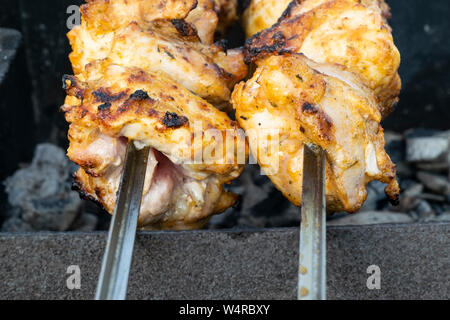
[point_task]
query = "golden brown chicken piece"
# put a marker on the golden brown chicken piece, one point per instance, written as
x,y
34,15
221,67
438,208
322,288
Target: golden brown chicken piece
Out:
x,y
158,37
114,104
298,101
262,14
351,33
148,71
326,74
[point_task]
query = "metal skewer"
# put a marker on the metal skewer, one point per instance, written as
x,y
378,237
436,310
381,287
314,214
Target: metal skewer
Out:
x,y
312,255
113,280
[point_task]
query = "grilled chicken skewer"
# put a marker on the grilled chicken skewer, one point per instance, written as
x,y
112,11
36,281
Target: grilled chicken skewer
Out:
x,y
326,73
149,72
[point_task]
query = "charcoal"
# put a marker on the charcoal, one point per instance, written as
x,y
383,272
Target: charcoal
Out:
x,y
423,212
407,183
406,203
434,182
85,222
438,208
9,43
379,188
432,197
442,218
371,201
16,113
427,149
41,194
15,224
261,204
371,217
438,167
395,146
413,190
420,133
404,170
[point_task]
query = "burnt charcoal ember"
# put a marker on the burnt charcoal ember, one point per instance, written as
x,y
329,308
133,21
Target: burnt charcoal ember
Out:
x,y
407,204
433,167
424,198
404,170
261,204
40,195
16,114
443,218
432,197
409,199
428,148
371,201
86,222
436,183
407,183
396,148
376,197
414,190
16,224
423,212
9,43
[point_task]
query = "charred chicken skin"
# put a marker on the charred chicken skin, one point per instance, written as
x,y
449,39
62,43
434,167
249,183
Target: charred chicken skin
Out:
x,y
149,72
351,33
326,73
159,36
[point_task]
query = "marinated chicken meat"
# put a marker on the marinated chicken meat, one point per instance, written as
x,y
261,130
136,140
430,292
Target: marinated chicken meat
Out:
x,y
149,72
326,73
154,36
351,33
262,14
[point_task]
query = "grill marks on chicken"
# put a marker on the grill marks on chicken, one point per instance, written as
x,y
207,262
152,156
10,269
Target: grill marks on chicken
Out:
x,y
351,33
161,36
148,71
288,93
326,74
115,104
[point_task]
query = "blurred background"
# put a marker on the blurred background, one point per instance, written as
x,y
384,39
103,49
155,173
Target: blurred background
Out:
x,y
35,191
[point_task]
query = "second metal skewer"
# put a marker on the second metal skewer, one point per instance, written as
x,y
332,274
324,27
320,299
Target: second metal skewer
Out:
x,y
312,255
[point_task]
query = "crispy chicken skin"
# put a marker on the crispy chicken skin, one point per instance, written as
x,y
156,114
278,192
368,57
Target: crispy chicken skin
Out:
x,y
114,104
351,33
212,17
326,73
306,102
262,14
149,72
161,36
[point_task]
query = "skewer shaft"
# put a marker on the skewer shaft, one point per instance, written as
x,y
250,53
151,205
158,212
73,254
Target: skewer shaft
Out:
x,y
312,255
113,280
